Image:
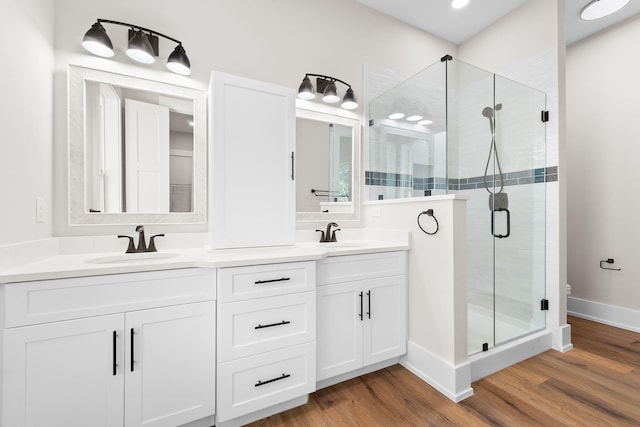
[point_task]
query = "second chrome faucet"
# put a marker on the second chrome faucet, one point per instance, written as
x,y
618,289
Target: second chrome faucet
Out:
x,y
142,242
329,236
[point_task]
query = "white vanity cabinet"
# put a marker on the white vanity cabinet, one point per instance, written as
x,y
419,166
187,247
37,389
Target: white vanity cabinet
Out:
x,y
266,338
362,311
128,349
253,163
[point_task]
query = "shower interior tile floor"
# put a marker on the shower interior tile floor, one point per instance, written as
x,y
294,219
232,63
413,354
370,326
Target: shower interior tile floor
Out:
x,y
596,383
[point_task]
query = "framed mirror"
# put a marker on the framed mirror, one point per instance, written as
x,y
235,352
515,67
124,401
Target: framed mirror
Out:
x,y
137,150
327,164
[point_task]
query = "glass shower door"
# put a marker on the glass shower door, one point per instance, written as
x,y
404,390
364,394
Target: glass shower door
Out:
x,y
518,210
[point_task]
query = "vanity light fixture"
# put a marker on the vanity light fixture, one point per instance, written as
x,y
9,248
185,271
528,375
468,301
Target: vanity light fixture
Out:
x,y
396,116
327,85
597,9
414,118
142,46
425,122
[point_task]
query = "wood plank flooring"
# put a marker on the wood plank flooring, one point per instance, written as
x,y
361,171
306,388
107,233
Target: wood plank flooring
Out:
x,y
595,384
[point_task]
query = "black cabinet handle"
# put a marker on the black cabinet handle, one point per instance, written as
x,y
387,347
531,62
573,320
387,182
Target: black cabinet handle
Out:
x,y
369,297
361,303
272,380
272,280
115,343
131,349
293,166
284,322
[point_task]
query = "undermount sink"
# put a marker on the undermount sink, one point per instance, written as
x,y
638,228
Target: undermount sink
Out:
x,y
132,258
341,245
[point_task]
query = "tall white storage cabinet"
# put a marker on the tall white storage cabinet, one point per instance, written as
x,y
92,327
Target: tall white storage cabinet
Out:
x,y
252,189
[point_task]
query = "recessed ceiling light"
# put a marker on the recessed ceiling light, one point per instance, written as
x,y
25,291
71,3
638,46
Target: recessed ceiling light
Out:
x,y
600,8
459,4
414,118
396,116
425,122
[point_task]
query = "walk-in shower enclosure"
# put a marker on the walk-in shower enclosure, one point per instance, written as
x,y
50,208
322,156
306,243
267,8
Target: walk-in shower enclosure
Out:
x,y
455,128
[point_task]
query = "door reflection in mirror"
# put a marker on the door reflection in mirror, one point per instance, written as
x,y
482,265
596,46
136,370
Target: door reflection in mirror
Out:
x,y
139,151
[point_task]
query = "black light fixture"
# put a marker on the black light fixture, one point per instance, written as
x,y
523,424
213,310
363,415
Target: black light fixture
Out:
x,y
142,46
327,85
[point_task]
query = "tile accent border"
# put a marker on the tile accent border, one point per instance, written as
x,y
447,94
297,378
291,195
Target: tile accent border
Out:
x,y
523,177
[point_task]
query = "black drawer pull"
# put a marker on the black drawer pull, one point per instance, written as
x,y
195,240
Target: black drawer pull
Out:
x,y
284,322
272,380
361,303
272,280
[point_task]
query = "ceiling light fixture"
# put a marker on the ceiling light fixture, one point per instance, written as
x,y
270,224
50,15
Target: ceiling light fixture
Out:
x,y
142,46
600,8
327,85
459,4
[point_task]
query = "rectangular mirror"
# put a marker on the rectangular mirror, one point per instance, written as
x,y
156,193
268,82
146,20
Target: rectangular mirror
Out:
x,y
327,163
137,150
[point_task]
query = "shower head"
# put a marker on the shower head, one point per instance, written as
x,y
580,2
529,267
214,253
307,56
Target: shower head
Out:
x,y
487,112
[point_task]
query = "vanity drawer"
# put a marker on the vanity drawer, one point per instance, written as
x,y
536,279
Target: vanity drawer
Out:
x,y
256,281
265,324
43,301
350,268
257,382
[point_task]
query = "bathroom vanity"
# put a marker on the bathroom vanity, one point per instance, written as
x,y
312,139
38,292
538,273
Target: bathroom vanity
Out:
x,y
227,336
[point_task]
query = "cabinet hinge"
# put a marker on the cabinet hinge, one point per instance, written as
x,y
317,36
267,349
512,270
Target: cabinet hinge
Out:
x,y
544,116
544,304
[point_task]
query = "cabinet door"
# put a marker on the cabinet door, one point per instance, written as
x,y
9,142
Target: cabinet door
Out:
x,y
64,374
170,365
339,330
253,197
385,325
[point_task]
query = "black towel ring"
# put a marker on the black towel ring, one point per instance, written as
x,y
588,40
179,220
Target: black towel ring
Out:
x,y
428,212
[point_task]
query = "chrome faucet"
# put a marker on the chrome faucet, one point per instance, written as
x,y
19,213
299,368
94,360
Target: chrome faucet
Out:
x,y
142,243
328,236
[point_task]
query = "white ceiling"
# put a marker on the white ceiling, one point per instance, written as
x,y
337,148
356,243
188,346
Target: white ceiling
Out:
x,y
457,25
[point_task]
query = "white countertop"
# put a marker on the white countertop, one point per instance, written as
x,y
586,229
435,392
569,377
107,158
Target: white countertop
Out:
x,y
79,265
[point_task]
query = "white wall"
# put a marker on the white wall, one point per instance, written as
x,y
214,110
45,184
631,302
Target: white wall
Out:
x,y
603,152
25,118
275,41
520,47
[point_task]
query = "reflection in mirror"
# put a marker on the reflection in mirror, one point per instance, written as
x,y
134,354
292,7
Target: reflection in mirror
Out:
x,y
324,152
137,147
327,164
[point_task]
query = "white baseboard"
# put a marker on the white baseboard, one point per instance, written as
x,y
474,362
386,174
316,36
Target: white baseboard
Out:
x,y
264,413
356,373
562,339
612,315
452,381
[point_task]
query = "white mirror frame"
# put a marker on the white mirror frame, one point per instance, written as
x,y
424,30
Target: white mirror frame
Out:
x,y
324,113
76,157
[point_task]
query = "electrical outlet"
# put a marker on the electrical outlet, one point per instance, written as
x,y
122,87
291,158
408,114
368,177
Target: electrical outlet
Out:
x,y
39,209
